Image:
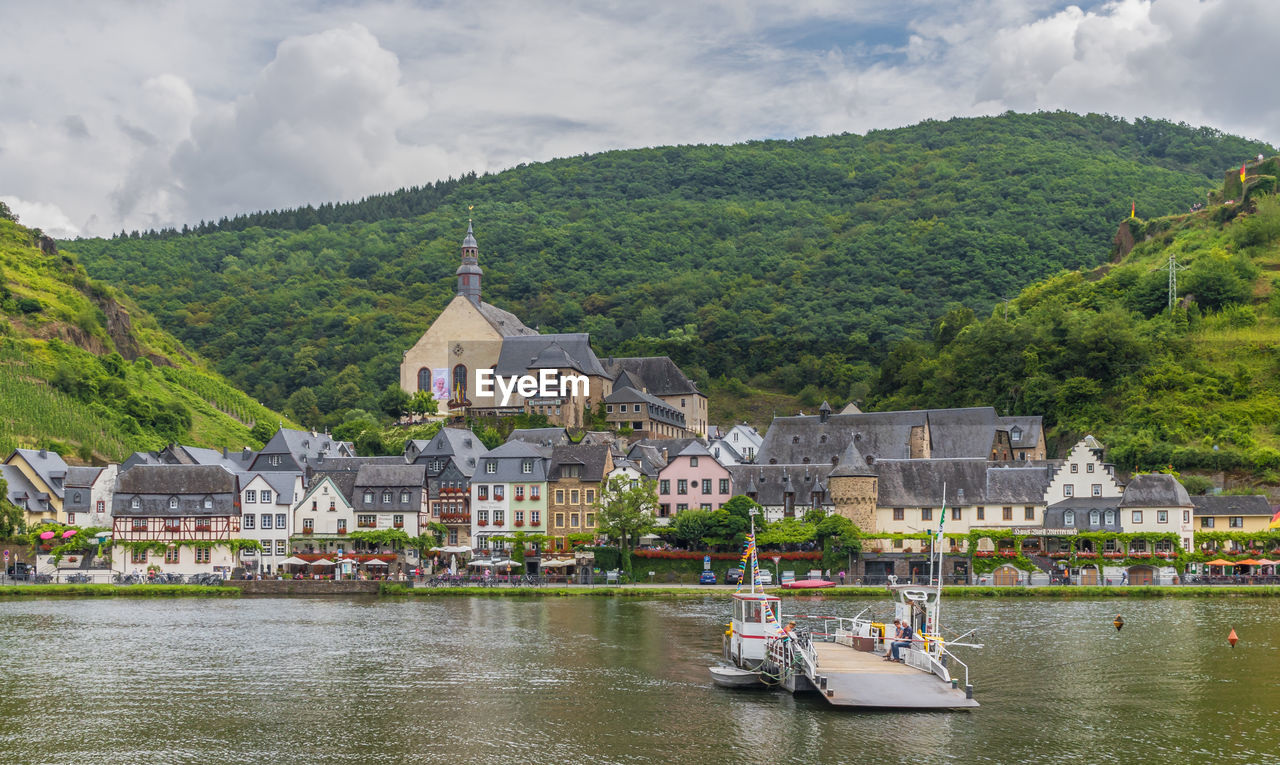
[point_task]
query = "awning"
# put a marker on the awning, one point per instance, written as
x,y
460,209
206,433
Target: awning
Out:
x,y
293,561
451,549
375,562
321,562
558,563
1219,562
1247,562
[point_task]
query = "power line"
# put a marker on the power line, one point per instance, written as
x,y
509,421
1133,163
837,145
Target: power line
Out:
x,y
1173,267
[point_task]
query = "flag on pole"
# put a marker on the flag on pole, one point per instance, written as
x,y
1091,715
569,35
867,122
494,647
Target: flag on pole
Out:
x,y
1242,172
1133,209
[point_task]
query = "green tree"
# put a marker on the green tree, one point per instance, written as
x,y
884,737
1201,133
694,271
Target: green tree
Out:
x,y
423,402
394,401
625,512
689,527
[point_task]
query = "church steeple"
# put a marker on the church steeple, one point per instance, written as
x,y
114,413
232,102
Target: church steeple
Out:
x,y
469,272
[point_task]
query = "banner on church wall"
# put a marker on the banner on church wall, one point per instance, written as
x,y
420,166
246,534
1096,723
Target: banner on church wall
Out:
x,y
440,384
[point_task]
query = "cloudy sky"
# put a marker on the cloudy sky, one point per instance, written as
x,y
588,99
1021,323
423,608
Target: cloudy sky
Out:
x,y
124,115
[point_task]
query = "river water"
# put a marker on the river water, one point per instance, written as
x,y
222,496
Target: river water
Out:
x,y
577,680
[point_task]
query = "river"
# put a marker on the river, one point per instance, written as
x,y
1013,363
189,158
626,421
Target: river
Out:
x,y
574,680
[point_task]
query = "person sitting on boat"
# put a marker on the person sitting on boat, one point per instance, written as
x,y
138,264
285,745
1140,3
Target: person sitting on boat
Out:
x,y
788,631
902,639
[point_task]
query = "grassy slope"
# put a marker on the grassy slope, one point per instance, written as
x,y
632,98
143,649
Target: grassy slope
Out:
x,y
68,331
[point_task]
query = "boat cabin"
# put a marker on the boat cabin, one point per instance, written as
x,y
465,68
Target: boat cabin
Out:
x,y
756,616
915,605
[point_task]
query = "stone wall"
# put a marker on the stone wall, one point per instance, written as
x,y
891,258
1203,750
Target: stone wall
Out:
x,y
305,587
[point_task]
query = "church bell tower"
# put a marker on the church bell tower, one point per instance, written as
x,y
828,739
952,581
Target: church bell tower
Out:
x,y
469,272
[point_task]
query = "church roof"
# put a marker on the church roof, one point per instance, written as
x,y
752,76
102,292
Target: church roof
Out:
x,y
563,351
505,322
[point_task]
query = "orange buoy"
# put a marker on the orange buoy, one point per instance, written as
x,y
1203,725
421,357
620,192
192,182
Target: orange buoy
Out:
x,y
1119,622
1233,638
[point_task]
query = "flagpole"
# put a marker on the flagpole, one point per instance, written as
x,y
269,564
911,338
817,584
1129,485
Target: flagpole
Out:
x,y
937,604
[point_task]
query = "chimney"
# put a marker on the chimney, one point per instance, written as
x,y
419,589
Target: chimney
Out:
x,y
44,453
224,451
245,453
664,454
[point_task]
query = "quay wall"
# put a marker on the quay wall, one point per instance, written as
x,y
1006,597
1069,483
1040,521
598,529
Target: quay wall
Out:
x,y
305,587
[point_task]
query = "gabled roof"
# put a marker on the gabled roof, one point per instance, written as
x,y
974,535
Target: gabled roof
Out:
x,y
657,408
593,460
190,485
564,351
282,483
1155,490
344,481
509,459
659,375
48,465
771,483
20,488
305,446
959,433
82,477
1030,429
647,458
461,444
505,323
1232,504
1082,508
852,463
695,448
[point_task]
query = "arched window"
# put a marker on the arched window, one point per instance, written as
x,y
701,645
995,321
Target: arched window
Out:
x,y
386,497
424,379
173,503
1111,517
1069,518
368,497
404,497
460,382
1093,517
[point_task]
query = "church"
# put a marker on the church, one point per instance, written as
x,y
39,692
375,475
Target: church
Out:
x,y
473,347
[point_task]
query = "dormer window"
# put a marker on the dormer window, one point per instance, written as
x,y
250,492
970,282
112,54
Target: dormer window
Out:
x,y
491,467
386,497
1015,433
526,466
135,503
173,503
368,497
822,439
795,439
404,497
208,503
1069,518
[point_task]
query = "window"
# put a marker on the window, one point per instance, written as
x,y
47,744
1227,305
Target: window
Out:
x,y
1069,518
266,521
248,520
664,511
173,503
926,513
101,507
559,520
204,555
1068,490
342,525
135,503
367,521
897,544
138,556
453,536
1111,517
1235,521
724,485
1093,517
982,513
519,516
172,524
955,514
1109,546
706,485
71,519
491,467
139,524
705,506
518,492
404,497
899,513
250,496
368,497
664,487
535,493
171,554
1028,514
274,460
264,497
591,496
680,508
574,496
308,525
573,520
1089,468
682,486
333,506
1138,545
482,492
1006,513
1097,490
591,520
1186,516
1137,516
608,408
535,517
1206,523
482,516
1162,516
1075,468
280,547
499,517
526,466
693,462
386,497
435,466
499,492
280,518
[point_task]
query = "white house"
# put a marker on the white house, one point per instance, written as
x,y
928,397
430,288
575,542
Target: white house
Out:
x,y
266,503
325,514
739,444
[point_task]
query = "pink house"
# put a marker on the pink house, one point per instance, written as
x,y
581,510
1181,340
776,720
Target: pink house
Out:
x,y
692,479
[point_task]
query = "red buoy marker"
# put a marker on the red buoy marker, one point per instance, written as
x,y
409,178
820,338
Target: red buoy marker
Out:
x,y
1233,638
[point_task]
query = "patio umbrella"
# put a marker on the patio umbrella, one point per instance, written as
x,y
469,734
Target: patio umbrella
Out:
x,y
1219,562
1247,562
557,563
480,563
293,561
1265,562
69,533
376,562
321,562
1275,521
47,535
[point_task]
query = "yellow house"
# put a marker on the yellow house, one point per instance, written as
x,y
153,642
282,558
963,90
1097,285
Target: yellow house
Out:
x,y
44,473
1232,512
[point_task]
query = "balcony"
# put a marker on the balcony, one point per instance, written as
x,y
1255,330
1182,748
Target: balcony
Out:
x,y
455,517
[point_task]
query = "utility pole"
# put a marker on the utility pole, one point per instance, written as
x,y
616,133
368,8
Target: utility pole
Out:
x,y
1173,267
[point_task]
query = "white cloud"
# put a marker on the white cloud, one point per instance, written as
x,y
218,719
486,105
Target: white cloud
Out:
x,y
42,215
143,116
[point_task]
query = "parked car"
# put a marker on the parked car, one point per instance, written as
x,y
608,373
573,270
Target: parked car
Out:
x,y
19,571
733,576
764,577
708,577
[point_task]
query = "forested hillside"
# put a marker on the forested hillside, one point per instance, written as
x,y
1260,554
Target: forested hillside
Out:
x,y
788,265
1099,351
86,373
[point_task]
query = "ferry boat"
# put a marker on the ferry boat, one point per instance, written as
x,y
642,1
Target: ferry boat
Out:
x,y
845,662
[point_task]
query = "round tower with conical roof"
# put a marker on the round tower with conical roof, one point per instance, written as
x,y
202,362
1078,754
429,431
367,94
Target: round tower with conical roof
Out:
x,y
469,272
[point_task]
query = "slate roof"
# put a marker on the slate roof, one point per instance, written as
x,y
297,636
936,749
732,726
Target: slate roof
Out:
x,y
82,477
1155,490
324,463
506,323
852,463
155,484
522,353
461,444
657,408
1031,428
22,492
509,459
958,433
1232,504
918,483
1082,506
303,446
658,374
344,480
282,483
673,446
647,459
769,483
882,435
380,476
695,448
592,458
48,465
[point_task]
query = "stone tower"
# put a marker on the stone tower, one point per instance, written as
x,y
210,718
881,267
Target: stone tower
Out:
x,y
853,485
469,272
